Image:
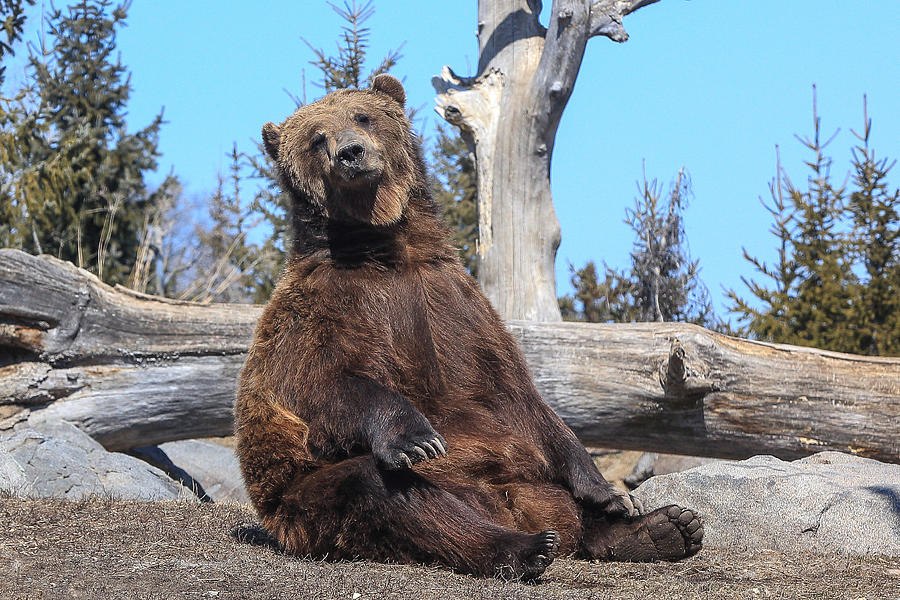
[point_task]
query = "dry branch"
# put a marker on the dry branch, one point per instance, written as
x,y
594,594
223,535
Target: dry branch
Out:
x,y
132,369
606,17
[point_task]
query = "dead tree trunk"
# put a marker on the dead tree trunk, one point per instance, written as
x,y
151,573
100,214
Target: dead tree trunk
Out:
x,y
508,114
133,370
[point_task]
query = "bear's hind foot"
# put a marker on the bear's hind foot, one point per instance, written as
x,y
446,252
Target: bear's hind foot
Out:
x,y
669,533
529,556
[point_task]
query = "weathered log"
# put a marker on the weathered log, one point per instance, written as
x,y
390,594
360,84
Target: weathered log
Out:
x,y
132,370
128,369
679,388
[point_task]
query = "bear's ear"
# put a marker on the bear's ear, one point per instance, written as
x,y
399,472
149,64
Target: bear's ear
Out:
x,y
271,139
390,85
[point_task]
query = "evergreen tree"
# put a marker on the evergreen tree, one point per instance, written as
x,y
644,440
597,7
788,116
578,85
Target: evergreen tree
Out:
x,y
665,283
456,190
346,69
875,244
75,184
812,299
771,323
662,284
13,14
273,206
11,213
819,315
595,301
231,264
837,282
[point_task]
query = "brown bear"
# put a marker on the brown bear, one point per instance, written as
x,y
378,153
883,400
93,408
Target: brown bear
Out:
x,y
384,411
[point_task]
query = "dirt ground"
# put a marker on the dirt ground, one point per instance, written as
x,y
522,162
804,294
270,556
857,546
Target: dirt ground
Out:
x,y
117,549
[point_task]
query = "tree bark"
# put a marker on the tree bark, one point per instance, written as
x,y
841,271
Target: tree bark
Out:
x,y
508,114
135,370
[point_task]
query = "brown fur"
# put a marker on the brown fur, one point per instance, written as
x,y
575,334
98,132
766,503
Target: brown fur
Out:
x,y
376,340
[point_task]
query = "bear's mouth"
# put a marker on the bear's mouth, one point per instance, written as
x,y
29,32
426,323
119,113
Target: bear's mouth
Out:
x,y
358,176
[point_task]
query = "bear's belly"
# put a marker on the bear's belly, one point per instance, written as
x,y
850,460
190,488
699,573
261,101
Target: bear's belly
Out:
x,y
430,335
480,370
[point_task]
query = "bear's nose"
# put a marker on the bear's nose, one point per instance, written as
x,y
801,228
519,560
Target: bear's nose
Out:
x,y
351,154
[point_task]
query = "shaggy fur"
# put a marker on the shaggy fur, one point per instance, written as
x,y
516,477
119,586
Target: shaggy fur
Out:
x,y
384,411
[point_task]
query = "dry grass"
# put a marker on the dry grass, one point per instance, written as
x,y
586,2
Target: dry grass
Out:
x,y
118,549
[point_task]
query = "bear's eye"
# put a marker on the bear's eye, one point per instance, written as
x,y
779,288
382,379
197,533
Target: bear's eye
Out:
x,y
317,141
362,118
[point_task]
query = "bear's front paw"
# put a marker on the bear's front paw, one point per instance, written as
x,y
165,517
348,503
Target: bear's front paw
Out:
x,y
611,501
407,450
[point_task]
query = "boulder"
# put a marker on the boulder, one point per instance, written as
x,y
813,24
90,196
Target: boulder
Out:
x,y
56,459
829,502
654,463
213,466
12,475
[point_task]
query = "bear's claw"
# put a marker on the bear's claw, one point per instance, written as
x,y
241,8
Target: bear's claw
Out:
x,y
528,556
408,452
610,500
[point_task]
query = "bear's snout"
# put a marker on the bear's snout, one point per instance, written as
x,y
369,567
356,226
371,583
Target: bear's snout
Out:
x,y
354,156
351,155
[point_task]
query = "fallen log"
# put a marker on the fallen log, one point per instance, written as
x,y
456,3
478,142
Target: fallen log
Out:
x,y
134,370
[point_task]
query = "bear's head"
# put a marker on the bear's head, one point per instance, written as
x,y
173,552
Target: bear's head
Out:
x,y
350,155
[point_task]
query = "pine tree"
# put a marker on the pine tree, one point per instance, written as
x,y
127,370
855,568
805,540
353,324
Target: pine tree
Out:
x,y
346,69
75,174
820,314
838,278
665,282
12,214
875,243
595,301
771,322
13,14
662,284
456,191
273,206
231,264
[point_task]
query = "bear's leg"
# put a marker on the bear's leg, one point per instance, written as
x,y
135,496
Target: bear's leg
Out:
x,y
669,533
354,509
534,507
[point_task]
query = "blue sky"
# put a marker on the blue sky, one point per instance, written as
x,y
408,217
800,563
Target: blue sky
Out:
x,y
709,85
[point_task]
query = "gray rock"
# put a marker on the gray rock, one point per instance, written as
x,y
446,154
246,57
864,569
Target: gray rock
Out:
x,y
829,502
12,475
56,459
653,463
214,466
675,463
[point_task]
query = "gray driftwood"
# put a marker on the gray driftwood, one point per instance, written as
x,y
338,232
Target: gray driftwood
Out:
x,y
133,370
508,113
